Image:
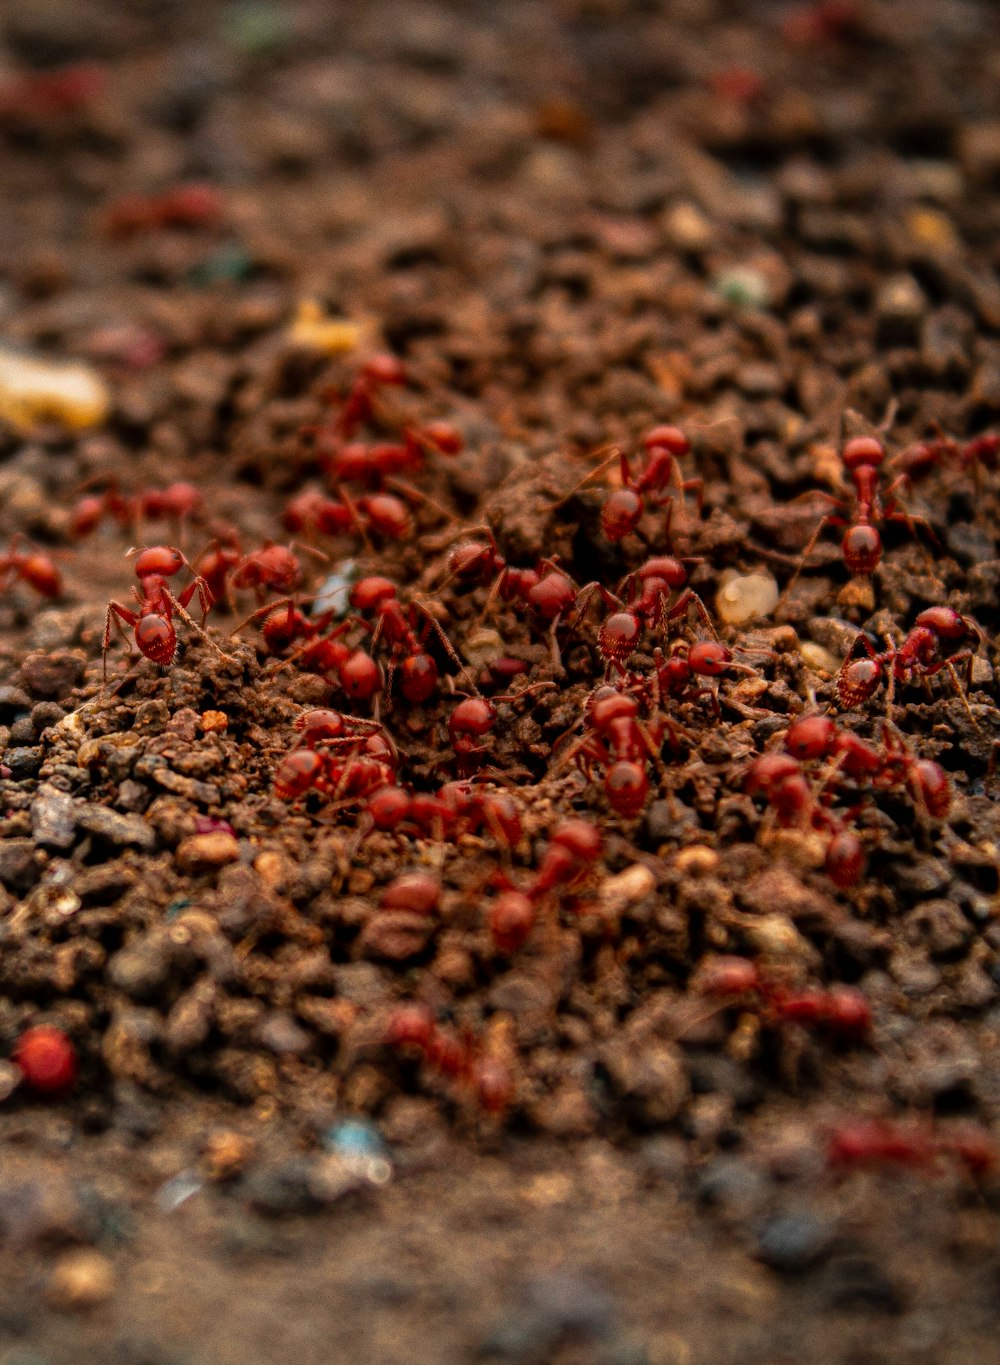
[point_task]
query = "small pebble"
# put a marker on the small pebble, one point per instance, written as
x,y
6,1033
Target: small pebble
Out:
x,y
793,1240
81,1280
203,852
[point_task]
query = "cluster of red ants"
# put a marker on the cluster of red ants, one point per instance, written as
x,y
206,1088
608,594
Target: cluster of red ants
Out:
x,y
377,643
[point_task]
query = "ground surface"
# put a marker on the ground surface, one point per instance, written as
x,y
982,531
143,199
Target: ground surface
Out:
x,y
774,227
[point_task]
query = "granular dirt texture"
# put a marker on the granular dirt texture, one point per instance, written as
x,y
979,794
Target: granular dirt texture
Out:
x,y
498,707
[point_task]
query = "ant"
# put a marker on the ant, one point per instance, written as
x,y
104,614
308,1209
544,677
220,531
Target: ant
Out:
x,y
880,1142
842,1011
372,464
29,566
194,205
780,780
649,590
370,766
457,808
153,624
474,718
624,508
622,745
485,1077
417,669
178,502
815,737
934,632
574,848
871,505
675,674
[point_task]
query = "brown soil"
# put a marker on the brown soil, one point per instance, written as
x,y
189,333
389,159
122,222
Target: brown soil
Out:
x,y
571,221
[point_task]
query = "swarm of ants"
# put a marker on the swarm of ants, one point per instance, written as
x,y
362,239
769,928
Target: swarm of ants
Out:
x,y
654,681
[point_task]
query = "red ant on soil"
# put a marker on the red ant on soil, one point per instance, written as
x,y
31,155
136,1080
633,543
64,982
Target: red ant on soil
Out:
x,y
780,780
622,745
153,624
369,766
417,669
179,502
815,737
29,566
919,656
625,507
193,205
871,505
875,1142
575,846
456,808
484,1076
841,1011
650,589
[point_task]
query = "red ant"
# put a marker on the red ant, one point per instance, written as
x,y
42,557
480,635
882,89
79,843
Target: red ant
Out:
x,y
179,502
457,808
624,508
417,669
575,846
841,1011
622,745
271,568
326,654
484,1076
186,206
474,718
48,94
675,674
814,737
881,1142
370,766
862,458
29,566
780,780
934,631
153,625
650,589
919,459
545,589
372,464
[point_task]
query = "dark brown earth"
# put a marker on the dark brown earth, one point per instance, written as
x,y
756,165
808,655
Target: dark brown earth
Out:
x,y
570,221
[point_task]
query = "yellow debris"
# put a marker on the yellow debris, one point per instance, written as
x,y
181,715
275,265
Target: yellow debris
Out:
x,y
34,391
931,227
313,330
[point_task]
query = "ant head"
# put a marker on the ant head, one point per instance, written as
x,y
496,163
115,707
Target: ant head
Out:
x,y
161,560
863,450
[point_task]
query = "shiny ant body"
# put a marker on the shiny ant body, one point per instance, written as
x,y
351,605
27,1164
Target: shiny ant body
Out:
x,y
153,623
926,650
840,1011
574,848
871,506
29,566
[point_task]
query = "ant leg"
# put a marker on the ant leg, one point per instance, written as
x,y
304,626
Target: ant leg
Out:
x,y
696,486
408,490
687,599
116,613
824,522
453,654
189,621
616,454
205,598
